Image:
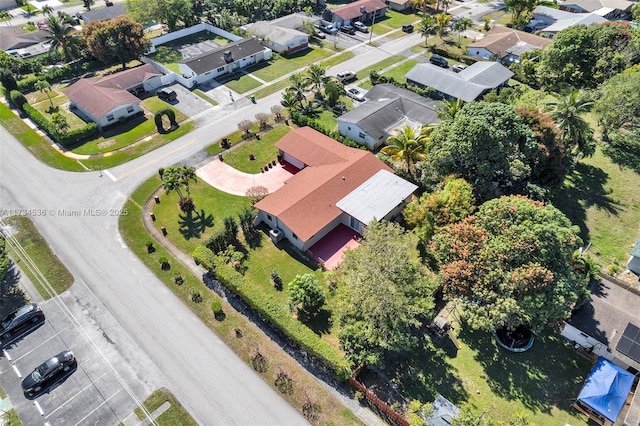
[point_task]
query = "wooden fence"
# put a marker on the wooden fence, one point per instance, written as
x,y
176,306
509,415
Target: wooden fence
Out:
x,y
381,406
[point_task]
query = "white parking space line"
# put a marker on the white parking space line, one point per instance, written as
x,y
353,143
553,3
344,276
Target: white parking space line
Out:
x,y
47,424
92,411
17,371
6,354
108,173
39,408
93,383
42,343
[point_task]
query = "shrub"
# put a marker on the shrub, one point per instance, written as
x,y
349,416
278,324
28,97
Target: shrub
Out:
x,y
273,313
196,297
217,242
17,98
7,79
150,247
170,115
67,138
230,229
245,125
178,279
205,257
216,306
257,193
28,84
164,263
276,280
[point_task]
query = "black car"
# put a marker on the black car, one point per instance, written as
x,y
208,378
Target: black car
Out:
x,y
439,61
50,373
407,28
167,94
21,320
348,29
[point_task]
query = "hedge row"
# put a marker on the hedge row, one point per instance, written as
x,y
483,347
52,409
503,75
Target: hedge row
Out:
x,y
279,317
66,138
303,120
205,257
18,99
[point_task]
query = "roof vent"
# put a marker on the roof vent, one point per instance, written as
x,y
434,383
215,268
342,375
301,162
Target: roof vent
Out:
x,y
344,178
227,56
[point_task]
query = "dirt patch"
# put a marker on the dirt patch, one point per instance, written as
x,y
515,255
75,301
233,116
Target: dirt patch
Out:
x,y
106,144
383,389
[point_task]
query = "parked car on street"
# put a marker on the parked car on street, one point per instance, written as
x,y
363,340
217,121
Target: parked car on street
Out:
x,y
328,28
346,76
21,320
407,28
356,94
439,61
50,373
360,27
320,35
348,29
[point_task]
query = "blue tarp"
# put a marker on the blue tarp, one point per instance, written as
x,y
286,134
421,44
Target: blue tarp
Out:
x,y
606,389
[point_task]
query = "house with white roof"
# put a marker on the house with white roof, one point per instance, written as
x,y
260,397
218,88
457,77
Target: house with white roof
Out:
x,y
388,107
469,84
609,9
551,21
279,39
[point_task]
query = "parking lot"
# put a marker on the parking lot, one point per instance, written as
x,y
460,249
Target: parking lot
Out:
x,y
102,388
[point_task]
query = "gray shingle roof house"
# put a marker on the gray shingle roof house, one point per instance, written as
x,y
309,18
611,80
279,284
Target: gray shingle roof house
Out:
x,y
103,14
468,85
279,39
387,108
18,42
224,60
610,9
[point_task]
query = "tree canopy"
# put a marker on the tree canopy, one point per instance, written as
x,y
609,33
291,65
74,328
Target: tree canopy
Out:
x,y
118,40
511,263
619,102
585,56
383,293
486,144
306,295
169,12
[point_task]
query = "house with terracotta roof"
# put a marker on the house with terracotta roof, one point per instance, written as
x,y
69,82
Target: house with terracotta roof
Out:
x,y
506,45
361,10
335,187
106,100
224,60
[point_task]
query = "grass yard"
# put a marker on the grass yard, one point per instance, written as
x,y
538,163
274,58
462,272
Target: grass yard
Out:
x,y
395,19
199,93
397,73
58,99
239,82
130,132
279,65
34,142
328,63
272,88
379,66
305,387
176,415
598,196
37,248
263,150
541,382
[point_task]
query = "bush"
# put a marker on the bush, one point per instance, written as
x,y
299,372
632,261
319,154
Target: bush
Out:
x,y
27,85
164,263
217,242
216,306
273,313
17,98
205,257
7,79
170,115
63,138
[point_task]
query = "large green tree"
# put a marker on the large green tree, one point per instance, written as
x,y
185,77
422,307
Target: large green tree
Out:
x,y
619,103
408,145
316,79
384,292
306,295
177,178
486,144
169,12
520,9
118,40
585,56
62,36
511,263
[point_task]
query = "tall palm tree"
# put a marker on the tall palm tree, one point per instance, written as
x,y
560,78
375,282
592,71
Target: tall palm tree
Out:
x,y
461,26
290,100
299,87
409,144
442,22
577,134
187,173
448,109
316,78
47,10
428,27
62,37
6,16
44,87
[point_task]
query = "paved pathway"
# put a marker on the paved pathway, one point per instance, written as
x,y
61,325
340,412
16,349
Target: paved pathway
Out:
x,y
222,176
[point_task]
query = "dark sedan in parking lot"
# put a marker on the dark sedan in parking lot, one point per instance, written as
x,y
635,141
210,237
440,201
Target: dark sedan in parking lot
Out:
x,y
49,374
20,321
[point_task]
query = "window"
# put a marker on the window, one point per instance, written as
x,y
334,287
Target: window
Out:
x,y
130,109
269,217
220,69
294,236
349,127
110,117
362,135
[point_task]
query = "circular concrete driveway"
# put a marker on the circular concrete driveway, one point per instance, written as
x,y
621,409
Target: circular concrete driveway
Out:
x,y
222,176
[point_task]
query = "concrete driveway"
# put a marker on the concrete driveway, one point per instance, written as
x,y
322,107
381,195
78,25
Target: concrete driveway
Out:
x,y
188,103
222,176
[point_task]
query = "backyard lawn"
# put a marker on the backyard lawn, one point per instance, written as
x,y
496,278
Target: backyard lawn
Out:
x,y
397,72
262,149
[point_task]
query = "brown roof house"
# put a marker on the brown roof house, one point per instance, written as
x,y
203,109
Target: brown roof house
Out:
x,y
336,186
506,45
105,100
361,10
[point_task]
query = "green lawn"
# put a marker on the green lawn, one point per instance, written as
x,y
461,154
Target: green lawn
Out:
x,y
239,82
379,66
176,415
35,143
37,248
328,63
541,382
166,55
305,386
272,88
396,19
204,96
58,99
280,65
130,132
263,151
397,73
599,197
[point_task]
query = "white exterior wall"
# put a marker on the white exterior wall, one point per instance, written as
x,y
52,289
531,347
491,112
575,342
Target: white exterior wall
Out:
x,y
480,52
117,112
353,131
572,334
293,160
152,83
165,38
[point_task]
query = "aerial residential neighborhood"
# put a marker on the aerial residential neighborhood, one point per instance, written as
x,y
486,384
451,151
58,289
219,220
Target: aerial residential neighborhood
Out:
x,y
320,212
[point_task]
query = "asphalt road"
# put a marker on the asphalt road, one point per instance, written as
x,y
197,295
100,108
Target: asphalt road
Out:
x,y
205,375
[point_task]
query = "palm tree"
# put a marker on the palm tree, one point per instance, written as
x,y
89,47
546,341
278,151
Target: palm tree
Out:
x,y
62,37
60,122
577,134
187,173
6,16
428,27
47,10
44,87
299,87
290,100
461,26
448,109
316,79
442,22
409,144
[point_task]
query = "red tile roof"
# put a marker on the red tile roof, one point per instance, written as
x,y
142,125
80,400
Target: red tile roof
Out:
x,y
306,203
98,96
352,10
